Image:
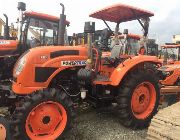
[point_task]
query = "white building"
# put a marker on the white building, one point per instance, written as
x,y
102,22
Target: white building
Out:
x,y
2,23
176,39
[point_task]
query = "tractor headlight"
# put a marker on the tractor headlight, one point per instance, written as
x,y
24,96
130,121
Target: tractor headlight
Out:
x,y
19,66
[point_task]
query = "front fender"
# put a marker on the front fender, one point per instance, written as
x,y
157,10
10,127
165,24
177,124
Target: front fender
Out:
x,y
62,68
37,73
120,72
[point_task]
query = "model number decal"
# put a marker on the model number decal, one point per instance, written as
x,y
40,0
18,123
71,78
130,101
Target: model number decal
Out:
x,y
73,63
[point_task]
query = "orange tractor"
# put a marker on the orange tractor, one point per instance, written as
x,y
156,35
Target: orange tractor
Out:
x,y
47,81
170,73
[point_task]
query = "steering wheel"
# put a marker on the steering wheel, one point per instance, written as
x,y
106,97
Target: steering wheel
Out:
x,y
173,56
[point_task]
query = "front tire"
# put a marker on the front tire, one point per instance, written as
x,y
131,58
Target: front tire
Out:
x,y
5,132
138,99
43,115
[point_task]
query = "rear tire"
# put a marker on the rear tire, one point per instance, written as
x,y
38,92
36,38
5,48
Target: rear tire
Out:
x,y
138,99
46,114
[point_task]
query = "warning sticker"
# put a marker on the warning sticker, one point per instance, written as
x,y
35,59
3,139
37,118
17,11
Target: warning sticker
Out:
x,y
73,63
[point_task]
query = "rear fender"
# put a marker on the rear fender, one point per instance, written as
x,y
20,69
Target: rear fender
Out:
x,y
172,78
120,72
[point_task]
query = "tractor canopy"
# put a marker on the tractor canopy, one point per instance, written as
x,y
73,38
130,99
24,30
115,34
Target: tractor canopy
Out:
x,y
43,16
132,36
121,13
171,46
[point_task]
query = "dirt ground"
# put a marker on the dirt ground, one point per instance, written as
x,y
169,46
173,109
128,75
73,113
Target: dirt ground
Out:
x,y
94,125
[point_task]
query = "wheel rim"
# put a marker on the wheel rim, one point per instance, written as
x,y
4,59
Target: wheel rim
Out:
x,y
46,121
2,132
143,100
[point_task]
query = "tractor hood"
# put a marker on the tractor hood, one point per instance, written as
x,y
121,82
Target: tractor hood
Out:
x,y
41,64
8,47
41,54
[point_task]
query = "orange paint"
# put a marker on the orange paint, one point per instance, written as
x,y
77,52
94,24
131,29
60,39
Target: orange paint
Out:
x,y
7,45
26,84
2,132
43,16
46,121
174,74
119,73
143,100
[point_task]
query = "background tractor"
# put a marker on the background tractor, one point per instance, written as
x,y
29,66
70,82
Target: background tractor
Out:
x,y
34,29
166,123
48,81
169,73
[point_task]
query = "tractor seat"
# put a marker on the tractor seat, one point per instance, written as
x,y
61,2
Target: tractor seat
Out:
x,y
114,59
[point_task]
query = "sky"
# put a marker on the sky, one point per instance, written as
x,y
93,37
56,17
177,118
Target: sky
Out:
x,y
163,25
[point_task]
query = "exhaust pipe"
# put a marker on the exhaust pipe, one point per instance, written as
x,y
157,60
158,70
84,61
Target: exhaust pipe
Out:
x,y
89,29
6,28
21,7
62,27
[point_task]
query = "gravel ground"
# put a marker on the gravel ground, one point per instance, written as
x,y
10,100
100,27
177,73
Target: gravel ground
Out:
x,y
93,125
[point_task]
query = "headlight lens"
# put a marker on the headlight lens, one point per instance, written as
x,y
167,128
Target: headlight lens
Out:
x,y
19,66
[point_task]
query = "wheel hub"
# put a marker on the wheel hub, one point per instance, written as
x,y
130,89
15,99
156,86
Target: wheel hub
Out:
x,y
47,119
2,132
143,100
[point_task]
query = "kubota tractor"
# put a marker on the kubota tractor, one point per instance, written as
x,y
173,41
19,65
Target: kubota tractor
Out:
x,y
47,81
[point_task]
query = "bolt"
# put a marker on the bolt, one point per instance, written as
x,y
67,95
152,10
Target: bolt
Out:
x,y
32,113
